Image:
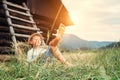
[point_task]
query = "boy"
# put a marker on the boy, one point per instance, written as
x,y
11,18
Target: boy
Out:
x,y
37,51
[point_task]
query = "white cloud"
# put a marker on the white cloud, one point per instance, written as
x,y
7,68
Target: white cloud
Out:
x,y
100,18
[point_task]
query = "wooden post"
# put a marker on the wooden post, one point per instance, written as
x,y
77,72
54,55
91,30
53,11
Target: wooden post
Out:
x,y
9,22
10,27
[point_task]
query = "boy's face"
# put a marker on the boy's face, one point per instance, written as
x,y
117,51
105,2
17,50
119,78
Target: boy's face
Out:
x,y
36,41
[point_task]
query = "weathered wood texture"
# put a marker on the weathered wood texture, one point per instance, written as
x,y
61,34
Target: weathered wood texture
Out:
x,y
44,15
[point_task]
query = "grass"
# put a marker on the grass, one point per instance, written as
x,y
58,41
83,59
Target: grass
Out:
x,y
87,65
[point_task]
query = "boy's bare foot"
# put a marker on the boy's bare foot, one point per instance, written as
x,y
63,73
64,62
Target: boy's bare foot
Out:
x,y
61,30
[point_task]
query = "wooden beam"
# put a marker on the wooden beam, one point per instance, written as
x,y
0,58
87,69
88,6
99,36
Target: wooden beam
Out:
x,y
24,27
22,13
21,35
24,20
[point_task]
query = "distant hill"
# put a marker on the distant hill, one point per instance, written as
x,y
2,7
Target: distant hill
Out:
x,y
113,45
71,42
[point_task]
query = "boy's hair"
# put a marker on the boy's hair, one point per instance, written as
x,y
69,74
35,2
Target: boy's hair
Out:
x,y
34,34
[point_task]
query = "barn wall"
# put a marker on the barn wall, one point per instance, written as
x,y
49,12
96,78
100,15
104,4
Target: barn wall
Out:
x,y
44,21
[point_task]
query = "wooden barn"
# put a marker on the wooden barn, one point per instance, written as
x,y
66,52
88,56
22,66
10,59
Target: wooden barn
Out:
x,y
20,18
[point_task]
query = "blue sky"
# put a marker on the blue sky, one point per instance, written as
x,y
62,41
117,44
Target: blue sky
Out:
x,y
96,20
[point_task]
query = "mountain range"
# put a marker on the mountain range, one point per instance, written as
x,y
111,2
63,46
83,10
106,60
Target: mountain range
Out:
x,y
71,42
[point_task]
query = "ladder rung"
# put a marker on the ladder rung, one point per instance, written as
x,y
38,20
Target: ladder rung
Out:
x,y
24,27
19,12
15,5
22,35
21,19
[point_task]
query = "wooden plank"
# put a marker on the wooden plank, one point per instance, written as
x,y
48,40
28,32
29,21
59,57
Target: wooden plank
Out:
x,y
22,13
14,5
2,12
43,28
43,23
24,27
2,19
3,34
21,35
12,33
6,36
4,29
5,42
28,21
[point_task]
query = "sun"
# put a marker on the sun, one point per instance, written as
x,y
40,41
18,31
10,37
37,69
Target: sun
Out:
x,y
74,18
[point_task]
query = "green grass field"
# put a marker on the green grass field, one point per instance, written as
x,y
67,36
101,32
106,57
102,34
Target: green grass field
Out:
x,y
87,65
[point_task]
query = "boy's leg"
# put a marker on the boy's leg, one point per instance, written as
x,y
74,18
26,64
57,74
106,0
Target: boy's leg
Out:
x,y
54,42
56,52
60,33
53,45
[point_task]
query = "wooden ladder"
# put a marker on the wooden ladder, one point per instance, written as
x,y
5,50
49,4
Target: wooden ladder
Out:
x,y
19,10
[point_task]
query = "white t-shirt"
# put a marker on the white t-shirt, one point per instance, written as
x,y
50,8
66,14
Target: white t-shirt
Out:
x,y
32,54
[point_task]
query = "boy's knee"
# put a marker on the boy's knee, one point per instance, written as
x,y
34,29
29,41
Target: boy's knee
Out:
x,y
52,47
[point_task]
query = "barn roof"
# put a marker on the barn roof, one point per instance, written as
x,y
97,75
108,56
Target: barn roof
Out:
x,y
49,9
